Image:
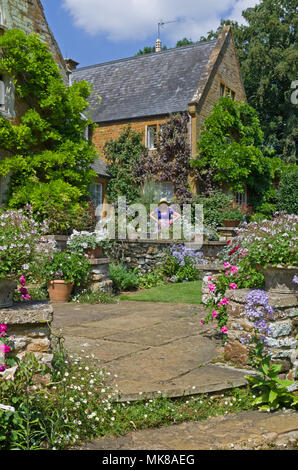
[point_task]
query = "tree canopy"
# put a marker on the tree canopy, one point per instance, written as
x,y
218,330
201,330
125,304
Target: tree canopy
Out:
x,y
268,55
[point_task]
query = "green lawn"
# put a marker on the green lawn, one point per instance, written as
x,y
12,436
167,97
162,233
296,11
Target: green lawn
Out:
x,y
187,292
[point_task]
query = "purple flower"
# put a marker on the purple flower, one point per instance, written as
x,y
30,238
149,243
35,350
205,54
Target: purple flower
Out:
x,y
295,279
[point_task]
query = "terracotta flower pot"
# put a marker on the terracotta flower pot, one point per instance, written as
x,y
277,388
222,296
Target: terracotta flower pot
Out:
x,y
279,279
231,223
96,253
59,291
7,288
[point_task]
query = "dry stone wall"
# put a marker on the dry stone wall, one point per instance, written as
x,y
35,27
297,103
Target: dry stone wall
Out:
x,y
29,328
284,327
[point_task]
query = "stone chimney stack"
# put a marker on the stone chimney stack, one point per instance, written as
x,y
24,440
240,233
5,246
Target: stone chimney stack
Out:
x,y
158,45
71,64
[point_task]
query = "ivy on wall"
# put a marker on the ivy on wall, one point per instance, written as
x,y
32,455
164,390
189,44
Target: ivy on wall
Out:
x,y
231,151
46,154
170,162
122,155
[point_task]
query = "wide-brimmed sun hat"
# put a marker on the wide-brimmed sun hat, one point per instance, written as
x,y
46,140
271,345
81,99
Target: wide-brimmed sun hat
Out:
x,y
163,201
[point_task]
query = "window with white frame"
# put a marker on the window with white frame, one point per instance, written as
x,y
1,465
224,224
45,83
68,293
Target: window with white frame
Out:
x,y
167,191
151,132
241,198
1,17
6,96
3,187
96,193
2,93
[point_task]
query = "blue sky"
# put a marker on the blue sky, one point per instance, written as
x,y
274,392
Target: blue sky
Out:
x,y
94,31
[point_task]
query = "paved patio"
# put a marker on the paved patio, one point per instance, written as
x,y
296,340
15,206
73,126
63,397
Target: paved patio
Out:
x,y
151,347
249,430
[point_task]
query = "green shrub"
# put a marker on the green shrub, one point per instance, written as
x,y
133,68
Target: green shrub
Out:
x,y
152,279
180,264
212,207
287,195
123,278
67,266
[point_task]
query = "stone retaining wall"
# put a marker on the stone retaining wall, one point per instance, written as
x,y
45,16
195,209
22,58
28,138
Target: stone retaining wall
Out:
x,y
148,254
100,277
28,326
284,327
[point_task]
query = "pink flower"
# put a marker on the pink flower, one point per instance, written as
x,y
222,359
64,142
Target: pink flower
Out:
x,y
22,281
214,313
224,330
4,348
227,265
2,367
227,273
3,330
212,287
202,322
233,286
224,301
234,270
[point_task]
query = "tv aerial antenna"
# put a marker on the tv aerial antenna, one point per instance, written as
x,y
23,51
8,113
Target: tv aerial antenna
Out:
x,y
162,23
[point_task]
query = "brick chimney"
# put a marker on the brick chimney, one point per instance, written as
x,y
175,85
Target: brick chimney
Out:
x,y
158,45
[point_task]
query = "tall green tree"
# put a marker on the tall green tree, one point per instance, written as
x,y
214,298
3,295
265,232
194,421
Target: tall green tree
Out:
x,y
45,152
232,152
268,54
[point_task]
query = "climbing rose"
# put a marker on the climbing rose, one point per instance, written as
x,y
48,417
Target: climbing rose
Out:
x,y
224,301
214,313
3,330
212,287
227,265
233,286
234,270
4,348
224,330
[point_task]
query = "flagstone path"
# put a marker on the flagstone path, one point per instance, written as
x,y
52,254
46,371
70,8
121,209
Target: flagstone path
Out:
x,y
150,347
249,430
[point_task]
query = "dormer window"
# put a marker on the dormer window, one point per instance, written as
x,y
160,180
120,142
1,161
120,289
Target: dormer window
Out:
x,y
227,92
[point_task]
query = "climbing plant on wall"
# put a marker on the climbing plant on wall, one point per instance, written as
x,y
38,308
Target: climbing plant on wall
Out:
x,y
122,155
231,150
46,154
170,161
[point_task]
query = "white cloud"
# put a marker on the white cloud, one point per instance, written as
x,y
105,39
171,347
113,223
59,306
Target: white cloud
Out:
x,y
122,20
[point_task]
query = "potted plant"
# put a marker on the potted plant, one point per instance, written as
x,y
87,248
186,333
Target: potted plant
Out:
x,y
62,271
233,214
91,243
22,247
271,247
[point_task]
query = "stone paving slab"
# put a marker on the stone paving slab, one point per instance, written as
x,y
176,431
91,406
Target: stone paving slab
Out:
x,y
248,430
150,347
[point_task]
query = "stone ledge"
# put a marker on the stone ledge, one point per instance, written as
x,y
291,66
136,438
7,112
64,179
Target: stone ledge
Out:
x,y
276,300
23,314
99,261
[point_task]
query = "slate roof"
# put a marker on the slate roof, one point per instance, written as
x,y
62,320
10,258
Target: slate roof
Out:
x,y
100,168
147,85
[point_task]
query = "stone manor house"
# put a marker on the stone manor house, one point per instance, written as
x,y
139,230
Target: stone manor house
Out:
x,y
142,91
